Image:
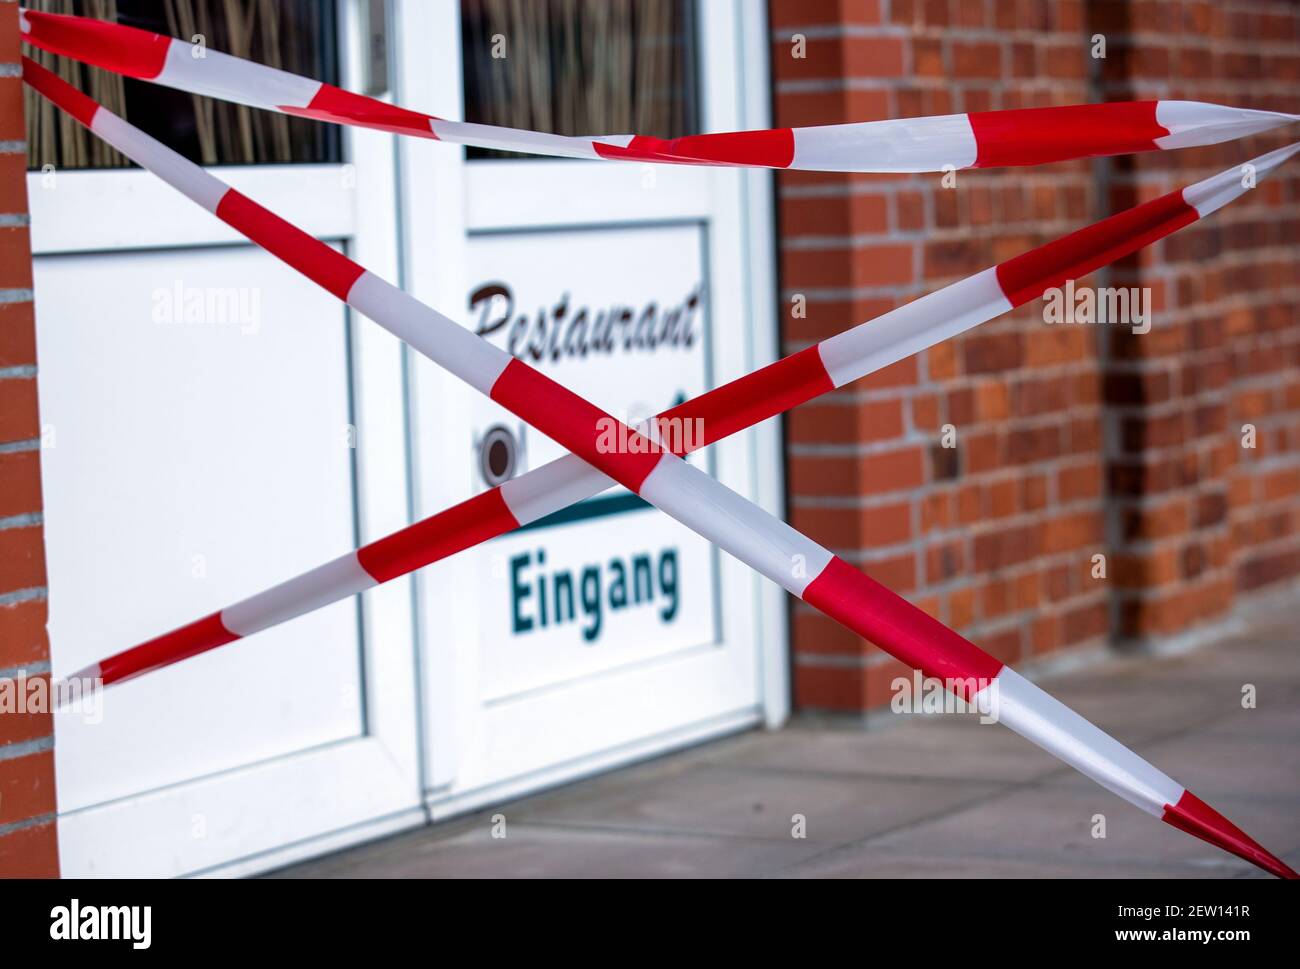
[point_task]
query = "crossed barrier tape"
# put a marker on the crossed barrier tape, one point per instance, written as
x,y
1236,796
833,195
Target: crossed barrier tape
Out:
x,y
723,411
662,476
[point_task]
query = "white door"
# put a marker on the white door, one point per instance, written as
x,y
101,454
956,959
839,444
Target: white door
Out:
x,y
213,424
609,632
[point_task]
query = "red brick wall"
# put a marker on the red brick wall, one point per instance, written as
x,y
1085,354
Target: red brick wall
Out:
x,y
27,837
1200,520
996,536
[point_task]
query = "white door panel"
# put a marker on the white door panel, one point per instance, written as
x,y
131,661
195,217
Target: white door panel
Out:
x,y
512,703
191,461
203,451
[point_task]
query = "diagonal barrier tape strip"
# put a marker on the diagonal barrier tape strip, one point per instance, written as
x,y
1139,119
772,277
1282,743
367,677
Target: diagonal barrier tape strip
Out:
x,y
687,493
979,139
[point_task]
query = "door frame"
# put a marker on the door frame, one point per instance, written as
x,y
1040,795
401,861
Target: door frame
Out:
x,y
357,788
446,199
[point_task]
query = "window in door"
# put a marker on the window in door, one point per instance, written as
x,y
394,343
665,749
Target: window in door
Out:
x,y
299,36
580,67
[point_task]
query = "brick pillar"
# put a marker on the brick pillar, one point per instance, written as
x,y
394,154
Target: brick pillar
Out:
x,y
28,846
993,537
1198,518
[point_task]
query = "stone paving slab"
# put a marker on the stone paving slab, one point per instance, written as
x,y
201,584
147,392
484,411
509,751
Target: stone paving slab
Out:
x,y
1270,726
923,749
879,861
914,796
530,851
726,802
1052,826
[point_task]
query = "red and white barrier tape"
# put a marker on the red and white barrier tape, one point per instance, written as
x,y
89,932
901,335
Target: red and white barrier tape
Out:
x,y
688,494
979,139
722,411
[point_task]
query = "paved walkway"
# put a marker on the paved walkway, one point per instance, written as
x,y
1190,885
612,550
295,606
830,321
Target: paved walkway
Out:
x,y
927,796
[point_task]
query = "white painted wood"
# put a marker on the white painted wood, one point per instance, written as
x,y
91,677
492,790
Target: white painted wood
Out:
x,y
766,457
314,197
433,195
179,456
610,758
571,193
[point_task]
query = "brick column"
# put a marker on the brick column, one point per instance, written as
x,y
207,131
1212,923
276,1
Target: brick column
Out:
x,y
1199,519
28,846
995,536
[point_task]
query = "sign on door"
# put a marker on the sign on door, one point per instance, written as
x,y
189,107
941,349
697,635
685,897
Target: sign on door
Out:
x,y
619,316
